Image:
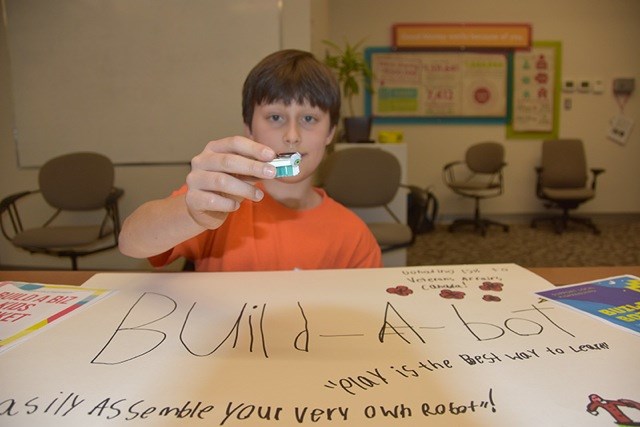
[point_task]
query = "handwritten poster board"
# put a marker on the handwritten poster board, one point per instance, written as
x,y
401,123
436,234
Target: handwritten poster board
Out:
x,y
536,92
463,345
438,85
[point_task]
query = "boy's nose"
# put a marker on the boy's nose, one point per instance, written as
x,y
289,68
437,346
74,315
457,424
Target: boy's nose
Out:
x,y
292,136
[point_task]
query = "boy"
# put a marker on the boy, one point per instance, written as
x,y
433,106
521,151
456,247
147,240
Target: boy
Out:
x,y
233,214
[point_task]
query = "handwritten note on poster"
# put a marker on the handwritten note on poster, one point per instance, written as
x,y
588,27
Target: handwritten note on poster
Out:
x,y
439,345
445,84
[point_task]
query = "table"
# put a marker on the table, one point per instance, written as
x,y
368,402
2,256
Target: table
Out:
x,y
556,275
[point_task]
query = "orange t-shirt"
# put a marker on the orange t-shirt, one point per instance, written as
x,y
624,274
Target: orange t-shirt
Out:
x,y
267,235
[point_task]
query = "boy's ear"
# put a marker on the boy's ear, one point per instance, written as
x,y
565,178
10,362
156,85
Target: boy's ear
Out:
x,y
247,131
332,132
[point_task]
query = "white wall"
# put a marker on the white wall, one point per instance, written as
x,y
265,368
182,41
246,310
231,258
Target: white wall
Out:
x,y
598,42
141,183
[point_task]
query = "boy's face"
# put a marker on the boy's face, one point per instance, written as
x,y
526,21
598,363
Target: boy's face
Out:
x,y
293,127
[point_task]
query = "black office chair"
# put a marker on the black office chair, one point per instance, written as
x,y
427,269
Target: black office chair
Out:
x,y
562,183
479,177
76,182
366,177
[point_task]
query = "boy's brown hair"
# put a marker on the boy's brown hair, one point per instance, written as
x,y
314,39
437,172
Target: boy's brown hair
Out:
x,y
291,75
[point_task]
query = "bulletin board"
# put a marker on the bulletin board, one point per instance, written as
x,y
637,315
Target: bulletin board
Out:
x,y
536,86
438,86
145,81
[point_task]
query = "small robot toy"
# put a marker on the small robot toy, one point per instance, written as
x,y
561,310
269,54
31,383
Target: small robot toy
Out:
x,y
287,164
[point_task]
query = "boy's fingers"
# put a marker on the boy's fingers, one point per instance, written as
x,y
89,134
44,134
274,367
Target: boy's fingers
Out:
x,y
243,146
238,156
206,201
224,185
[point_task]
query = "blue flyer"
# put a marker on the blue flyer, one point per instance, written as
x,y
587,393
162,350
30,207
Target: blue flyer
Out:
x,y
615,300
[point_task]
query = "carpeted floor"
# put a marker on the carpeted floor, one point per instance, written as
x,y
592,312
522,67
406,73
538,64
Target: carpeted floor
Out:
x,y
618,244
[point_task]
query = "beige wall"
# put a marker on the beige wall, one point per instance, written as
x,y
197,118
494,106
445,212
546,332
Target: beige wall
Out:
x,y
141,183
598,43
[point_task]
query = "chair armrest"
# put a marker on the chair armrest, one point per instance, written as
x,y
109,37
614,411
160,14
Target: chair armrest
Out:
x,y
12,198
8,206
538,170
595,172
452,164
410,187
114,195
448,171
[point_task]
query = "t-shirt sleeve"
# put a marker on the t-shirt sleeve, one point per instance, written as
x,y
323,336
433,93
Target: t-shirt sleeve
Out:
x,y
162,259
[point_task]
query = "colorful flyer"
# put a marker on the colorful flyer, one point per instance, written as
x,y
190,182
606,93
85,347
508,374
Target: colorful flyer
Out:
x,y
29,307
428,84
615,300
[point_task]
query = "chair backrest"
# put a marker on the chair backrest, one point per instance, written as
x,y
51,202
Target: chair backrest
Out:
x,y
362,176
564,164
77,181
485,157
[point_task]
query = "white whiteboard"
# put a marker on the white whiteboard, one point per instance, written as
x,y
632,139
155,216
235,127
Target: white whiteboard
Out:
x,y
145,81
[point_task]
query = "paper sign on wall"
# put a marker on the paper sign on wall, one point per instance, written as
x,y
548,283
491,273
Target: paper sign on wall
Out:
x,y
444,84
534,81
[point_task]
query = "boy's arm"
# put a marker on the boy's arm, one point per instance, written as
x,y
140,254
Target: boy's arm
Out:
x,y
221,177
156,227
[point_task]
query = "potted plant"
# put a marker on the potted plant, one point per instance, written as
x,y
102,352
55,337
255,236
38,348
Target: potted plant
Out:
x,y
351,69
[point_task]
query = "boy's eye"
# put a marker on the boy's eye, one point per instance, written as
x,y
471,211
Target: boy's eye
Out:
x,y
309,119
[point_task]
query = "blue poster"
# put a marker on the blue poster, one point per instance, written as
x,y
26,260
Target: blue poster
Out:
x,y
615,300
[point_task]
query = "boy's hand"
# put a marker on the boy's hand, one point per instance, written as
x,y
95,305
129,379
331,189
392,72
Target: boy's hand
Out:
x,y
223,175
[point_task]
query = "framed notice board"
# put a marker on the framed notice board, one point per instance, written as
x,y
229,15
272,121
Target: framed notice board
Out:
x,y
437,86
535,92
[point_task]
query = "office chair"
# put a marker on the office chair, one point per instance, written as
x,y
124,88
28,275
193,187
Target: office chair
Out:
x,y
479,177
71,183
365,177
562,182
